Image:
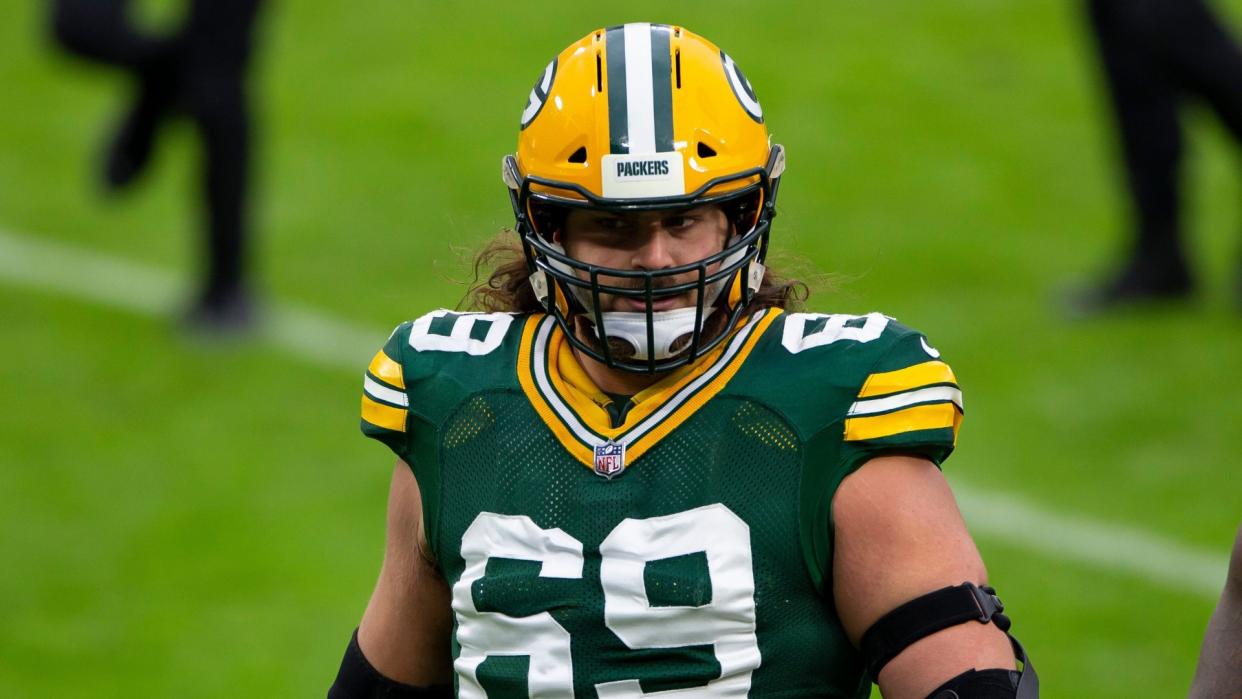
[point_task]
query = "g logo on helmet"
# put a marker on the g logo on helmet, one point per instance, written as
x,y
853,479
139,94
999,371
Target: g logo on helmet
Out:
x,y
539,94
741,88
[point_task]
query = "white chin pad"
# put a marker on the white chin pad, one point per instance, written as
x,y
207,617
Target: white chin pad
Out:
x,y
666,327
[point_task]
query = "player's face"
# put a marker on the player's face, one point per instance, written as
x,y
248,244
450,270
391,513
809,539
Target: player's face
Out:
x,y
645,241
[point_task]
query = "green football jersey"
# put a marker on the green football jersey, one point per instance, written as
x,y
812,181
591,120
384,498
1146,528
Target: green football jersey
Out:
x,y
685,552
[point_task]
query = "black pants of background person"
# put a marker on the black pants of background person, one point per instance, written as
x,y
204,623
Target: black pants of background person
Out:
x,y
199,69
1155,54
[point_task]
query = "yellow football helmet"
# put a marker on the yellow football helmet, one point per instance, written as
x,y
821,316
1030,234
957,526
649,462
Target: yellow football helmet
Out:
x,y
640,117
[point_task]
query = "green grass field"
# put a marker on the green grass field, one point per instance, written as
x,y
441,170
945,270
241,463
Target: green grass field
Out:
x,y
182,520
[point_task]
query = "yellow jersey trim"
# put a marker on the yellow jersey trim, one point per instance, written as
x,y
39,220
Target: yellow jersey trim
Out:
x,y
381,415
911,377
387,370
526,380
920,417
546,365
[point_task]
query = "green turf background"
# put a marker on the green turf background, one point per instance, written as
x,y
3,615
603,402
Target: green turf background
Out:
x,y
205,523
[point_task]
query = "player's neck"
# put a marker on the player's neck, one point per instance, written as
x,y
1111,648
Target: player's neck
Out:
x,y
615,381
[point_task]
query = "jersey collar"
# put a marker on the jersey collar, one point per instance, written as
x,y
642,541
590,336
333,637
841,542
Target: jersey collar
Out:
x,y
572,406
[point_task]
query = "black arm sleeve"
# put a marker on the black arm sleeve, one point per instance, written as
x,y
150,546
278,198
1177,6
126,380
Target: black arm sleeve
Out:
x,y
358,679
979,684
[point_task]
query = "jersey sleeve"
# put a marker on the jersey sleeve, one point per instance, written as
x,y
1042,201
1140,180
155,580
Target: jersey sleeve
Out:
x,y
909,403
385,401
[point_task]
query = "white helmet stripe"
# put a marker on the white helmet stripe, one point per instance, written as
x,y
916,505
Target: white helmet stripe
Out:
x,y
639,105
640,93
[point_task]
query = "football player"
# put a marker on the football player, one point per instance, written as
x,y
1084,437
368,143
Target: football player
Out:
x,y
1220,663
638,474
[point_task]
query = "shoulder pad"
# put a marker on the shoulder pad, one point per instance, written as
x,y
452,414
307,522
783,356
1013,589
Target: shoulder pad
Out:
x,y
429,364
855,345
880,381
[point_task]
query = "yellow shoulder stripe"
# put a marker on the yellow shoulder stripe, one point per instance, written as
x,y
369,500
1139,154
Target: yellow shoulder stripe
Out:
x,y
381,415
906,379
920,417
386,370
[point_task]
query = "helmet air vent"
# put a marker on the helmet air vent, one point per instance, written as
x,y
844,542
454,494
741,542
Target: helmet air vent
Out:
x,y
579,156
677,63
706,151
599,73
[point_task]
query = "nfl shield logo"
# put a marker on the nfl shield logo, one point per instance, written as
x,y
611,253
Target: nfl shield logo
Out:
x,y
609,459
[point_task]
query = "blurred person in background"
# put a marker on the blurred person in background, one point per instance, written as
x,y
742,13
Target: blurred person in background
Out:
x,y
1156,53
200,69
1219,675
633,470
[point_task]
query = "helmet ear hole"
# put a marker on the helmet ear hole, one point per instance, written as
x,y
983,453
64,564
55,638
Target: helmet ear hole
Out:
x,y
706,151
579,156
545,219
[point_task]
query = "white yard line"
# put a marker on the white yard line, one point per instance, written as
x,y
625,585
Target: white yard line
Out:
x,y
1115,548
1125,550
110,281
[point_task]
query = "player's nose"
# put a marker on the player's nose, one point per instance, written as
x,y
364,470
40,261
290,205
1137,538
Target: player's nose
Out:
x,y
655,251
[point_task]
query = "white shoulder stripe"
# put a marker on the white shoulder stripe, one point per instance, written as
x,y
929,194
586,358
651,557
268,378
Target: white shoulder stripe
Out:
x,y
935,394
388,395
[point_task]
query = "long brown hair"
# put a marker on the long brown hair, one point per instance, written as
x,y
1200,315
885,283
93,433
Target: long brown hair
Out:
x,y
506,287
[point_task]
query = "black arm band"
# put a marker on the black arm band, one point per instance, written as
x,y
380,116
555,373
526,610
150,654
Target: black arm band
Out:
x,y
935,611
358,679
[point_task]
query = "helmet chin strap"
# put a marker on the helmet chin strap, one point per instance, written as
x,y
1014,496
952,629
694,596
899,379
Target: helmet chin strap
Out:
x,y
667,327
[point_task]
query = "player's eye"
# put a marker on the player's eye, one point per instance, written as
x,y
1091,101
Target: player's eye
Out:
x,y
611,223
